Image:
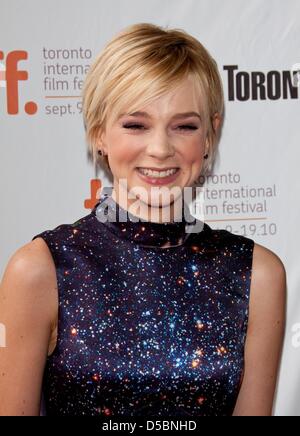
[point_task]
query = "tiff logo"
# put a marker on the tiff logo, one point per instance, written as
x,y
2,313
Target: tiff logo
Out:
x,y
10,76
2,336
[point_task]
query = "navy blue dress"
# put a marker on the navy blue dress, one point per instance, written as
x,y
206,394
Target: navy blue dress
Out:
x,y
146,330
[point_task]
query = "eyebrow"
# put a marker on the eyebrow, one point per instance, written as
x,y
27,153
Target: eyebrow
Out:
x,y
176,116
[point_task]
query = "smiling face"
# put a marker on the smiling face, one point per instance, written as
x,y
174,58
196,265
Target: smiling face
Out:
x,y
167,134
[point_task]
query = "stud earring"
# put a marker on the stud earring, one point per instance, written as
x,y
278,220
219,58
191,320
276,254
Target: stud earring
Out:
x,y
205,156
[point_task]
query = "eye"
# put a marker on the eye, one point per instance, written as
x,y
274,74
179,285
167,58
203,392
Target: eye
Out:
x,y
133,126
187,127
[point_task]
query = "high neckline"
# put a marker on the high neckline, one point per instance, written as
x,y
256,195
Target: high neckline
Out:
x,y
143,232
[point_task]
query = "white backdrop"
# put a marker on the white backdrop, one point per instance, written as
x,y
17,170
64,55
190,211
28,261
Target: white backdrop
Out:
x,y
46,177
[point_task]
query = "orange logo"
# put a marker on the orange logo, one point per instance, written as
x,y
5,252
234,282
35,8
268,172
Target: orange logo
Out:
x,y
96,187
10,76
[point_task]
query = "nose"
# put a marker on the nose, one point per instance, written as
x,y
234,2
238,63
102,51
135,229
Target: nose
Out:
x,y
159,146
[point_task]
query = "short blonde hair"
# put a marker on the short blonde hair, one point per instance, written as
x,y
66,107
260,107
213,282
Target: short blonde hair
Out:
x,y
141,63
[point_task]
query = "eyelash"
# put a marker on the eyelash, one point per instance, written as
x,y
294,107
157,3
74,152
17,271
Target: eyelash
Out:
x,y
136,127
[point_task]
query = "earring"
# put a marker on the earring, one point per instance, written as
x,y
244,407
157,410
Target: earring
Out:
x,y
100,152
205,156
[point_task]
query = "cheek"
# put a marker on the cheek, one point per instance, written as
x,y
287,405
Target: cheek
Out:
x,y
123,150
193,152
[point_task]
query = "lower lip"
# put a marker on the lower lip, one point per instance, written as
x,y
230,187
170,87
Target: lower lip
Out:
x,y
158,180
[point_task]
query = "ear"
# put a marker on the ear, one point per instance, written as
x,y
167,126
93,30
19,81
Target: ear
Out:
x,y
100,141
207,145
216,121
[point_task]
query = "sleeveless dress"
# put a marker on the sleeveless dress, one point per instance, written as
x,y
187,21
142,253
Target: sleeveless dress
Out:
x,y
146,330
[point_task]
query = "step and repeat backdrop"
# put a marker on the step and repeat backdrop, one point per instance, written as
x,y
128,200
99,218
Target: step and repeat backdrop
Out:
x,y
47,179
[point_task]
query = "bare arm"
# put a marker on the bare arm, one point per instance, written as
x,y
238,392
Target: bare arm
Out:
x,y
265,334
27,310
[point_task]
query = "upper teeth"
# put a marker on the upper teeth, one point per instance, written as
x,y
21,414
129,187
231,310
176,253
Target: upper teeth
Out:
x,y
153,173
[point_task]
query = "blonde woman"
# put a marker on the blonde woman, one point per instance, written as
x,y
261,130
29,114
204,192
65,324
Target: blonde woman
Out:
x,y
149,315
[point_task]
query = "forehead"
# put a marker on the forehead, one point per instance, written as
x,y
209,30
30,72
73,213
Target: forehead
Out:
x,y
184,100
178,102
177,116
186,94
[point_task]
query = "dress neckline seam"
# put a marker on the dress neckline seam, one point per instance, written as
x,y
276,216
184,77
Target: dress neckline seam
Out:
x,y
141,245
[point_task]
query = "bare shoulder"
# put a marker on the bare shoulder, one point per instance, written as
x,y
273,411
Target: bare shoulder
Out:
x,y
266,260
268,280
30,277
267,306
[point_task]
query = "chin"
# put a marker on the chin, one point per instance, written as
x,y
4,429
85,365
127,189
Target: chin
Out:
x,y
160,199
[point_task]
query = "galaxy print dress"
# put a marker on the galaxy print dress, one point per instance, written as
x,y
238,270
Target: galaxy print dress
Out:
x,y
146,330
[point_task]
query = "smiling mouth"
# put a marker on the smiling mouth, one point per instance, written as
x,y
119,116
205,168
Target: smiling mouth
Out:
x,y
150,172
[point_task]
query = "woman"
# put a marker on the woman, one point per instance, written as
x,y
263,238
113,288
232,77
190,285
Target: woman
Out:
x,y
149,315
